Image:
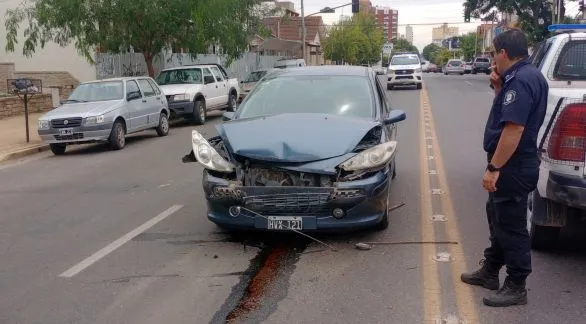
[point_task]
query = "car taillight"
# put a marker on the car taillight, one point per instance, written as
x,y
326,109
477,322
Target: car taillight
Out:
x,y
568,137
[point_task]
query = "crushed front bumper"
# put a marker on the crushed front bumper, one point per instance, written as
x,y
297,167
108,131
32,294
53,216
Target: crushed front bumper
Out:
x,y
363,202
181,108
81,134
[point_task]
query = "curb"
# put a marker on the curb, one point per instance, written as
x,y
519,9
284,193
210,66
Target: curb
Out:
x,y
24,152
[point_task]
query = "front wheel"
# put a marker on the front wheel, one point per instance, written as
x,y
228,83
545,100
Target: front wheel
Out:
x,y
199,112
117,136
232,102
58,149
419,86
163,128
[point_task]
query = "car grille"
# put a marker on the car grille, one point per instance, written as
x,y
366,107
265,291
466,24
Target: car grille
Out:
x,y
66,122
69,137
289,204
405,71
408,77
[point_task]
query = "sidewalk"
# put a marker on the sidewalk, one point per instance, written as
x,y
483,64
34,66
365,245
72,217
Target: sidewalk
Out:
x,y
13,143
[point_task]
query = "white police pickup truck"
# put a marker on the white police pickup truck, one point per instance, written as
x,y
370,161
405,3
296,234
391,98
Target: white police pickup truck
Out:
x,y
560,198
192,91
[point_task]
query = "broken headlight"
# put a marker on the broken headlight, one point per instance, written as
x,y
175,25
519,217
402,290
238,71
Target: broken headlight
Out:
x,y
207,155
371,158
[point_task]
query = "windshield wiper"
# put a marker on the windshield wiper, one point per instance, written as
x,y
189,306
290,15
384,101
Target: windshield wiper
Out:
x,y
75,100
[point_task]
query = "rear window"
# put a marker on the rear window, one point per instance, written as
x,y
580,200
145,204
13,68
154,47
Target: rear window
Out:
x,y
482,60
571,65
455,63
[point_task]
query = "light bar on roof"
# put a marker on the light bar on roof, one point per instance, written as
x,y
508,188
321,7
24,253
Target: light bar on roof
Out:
x,y
566,27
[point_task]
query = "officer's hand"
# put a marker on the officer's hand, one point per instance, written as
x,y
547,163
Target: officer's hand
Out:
x,y
489,180
496,81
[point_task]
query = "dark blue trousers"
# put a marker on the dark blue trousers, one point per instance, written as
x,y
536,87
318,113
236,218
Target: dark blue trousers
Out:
x,y
506,210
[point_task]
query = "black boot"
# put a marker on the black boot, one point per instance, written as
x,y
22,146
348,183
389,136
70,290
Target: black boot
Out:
x,y
486,276
512,293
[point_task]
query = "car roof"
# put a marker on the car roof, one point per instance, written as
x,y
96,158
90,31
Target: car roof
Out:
x,y
341,70
118,79
190,67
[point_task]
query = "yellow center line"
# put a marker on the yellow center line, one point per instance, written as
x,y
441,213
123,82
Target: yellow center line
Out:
x,y
465,298
431,284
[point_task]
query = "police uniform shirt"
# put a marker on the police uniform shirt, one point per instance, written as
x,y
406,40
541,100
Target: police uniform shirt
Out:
x,y
522,101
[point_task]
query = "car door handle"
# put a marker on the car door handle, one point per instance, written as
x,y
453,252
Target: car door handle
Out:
x,y
216,86
158,98
144,100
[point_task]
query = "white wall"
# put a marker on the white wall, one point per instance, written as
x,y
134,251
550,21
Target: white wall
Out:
x,y
51,58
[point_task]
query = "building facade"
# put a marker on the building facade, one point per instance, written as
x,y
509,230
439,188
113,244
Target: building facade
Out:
x,y
438,34
409,33
389,19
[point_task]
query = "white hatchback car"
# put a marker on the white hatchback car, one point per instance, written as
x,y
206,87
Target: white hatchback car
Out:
x,y
404,69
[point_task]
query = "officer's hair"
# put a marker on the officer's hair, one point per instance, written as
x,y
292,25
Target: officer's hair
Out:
x,y
514,42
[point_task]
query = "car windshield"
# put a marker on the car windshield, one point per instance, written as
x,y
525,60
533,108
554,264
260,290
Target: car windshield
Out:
x,y
254,76
404,60
482,60
181,76
97,91
324,94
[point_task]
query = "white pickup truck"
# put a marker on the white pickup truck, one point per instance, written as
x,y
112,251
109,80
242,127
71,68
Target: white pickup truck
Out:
x,y
192,91
560,198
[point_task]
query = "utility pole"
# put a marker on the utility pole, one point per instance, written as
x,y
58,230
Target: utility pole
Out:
x,y
559,11
303,31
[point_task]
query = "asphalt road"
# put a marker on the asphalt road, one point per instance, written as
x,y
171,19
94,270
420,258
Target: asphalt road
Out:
x,y
99,236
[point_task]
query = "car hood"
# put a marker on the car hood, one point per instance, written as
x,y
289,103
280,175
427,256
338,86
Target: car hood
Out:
x,y
294,137
83,109
173,89
404,67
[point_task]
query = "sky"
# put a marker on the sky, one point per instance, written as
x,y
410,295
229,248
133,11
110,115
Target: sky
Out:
x,y
410,12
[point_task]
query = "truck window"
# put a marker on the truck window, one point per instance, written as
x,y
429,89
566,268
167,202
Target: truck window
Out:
x,y
538,56
571,64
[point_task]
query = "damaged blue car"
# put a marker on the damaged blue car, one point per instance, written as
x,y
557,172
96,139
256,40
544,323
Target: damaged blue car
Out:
x,y
309,149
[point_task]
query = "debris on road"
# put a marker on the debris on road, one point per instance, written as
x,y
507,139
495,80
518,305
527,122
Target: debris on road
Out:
x,y
370,245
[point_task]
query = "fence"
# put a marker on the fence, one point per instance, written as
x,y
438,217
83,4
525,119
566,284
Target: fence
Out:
x,y
133,64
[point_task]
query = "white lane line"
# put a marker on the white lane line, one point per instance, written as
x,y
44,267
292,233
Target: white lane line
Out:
x,y
119,242
468,82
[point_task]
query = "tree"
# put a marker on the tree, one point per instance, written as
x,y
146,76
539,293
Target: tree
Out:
x,y
403,45
444,55
534,15
143,26
429,51
357,41
470,44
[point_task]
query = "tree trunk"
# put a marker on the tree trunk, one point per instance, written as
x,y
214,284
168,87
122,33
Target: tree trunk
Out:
x,y
148,59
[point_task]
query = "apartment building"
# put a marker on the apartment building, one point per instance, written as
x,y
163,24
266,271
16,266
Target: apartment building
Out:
x,y
389,19
438,34
409,33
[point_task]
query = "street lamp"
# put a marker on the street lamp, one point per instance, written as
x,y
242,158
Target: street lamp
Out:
x,y
322,11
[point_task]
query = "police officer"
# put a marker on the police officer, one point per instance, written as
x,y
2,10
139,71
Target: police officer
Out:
x,y
510,140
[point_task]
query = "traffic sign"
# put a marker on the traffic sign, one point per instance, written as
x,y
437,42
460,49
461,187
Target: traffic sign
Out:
x,y
387,48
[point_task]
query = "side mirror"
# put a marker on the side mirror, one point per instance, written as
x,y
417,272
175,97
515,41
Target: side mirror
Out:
x,y
228,115
208,79
132,96
395,116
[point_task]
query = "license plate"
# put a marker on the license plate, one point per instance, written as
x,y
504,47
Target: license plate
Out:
x,y
284,223
66,131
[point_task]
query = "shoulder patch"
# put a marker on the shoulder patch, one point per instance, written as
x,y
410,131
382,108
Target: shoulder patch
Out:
x,y
510,96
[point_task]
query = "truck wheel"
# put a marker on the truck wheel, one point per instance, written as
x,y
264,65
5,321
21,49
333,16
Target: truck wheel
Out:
x,y
199,112
419,86
117,136
232,101
542,237
58,149
163,128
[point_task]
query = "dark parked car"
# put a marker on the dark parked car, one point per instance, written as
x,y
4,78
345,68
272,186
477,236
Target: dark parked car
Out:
x,y
481,64
310,148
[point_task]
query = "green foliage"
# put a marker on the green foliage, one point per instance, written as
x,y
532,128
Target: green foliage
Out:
x,y
443,55
429,51
534,15
356,41
145,26
403,45
468,47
